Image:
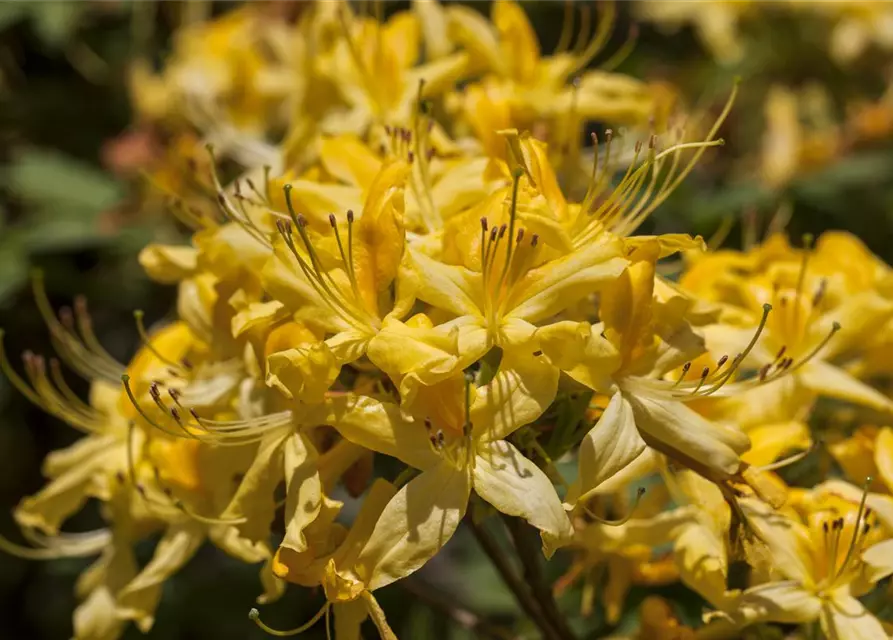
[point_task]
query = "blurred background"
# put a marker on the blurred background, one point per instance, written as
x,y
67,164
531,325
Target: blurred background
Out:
x,y
808,143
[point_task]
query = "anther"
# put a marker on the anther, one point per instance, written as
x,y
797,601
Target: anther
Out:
x,y
502,230
520,235
484,223
722,361
350,215
332,220
534,240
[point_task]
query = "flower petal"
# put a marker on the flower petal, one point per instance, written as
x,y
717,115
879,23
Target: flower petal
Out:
x,y
845,618
381,427
833,382
610,446
414,525
517,487
519,393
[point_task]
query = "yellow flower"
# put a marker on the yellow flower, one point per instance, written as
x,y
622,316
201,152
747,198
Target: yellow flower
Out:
x,y
459,450
628,551
828,559
628,356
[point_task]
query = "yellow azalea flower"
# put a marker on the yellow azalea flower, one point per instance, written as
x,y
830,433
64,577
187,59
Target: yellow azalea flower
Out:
x,y
517,284
522,88
440,182
341,288
628,552
373,66
459,450
353,565
868,452
826,560
627,356
801,339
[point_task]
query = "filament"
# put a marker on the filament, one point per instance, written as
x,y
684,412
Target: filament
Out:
x,y
254,616
622,521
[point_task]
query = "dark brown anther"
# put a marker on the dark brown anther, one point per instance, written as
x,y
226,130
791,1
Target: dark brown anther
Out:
x,y
764,371
332,220
865,529
705,372
429,154
493,233
534,240
174,394
428,425
250,184
825,526
484,224
410,157
722,361
520,235
685,368
819,293
867,512
537,353
194,414
175,414
652,141
302,221
238,188
780,352
502,229
350,215
186,363
119,476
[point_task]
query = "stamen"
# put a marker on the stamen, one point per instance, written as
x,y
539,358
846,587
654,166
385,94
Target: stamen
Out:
x,y
622,521
856,527
796,457
254,616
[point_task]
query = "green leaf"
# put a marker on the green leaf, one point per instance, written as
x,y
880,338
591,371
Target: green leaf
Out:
x,y
56,22
64,198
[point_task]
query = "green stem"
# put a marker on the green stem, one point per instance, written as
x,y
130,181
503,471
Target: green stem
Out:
x,y
528,548
503,566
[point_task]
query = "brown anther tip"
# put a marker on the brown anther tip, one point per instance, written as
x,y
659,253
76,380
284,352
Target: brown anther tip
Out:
x,y
686,367
835,326
250,184
175,414
764,371
119,476
781,352
194,414
534,240
187,364
825,526
493,233
140,488
502,229
484,223
350,215
173,393
427,423
705,372
520,235
332,220
537,353
640,491
410,157
722,361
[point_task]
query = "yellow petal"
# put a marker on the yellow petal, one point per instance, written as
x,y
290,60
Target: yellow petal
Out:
x,y
168,264
878,561
254,497
73,471
433,20
417,522
520,392
610,446
519,45
379,235
675,426
580,350
139,599
303,489
845,618
415,355
517,487
883,456
448,287
769,442
350,160
349,617
304,373
316,201
785,602
551,288
826,379
469,29
700,554
381,427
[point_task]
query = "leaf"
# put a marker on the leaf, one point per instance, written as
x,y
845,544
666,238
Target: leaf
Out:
x,y
12,12
64,196
56,22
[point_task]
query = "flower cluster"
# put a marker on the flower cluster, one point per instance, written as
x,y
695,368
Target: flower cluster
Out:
x,y
401,249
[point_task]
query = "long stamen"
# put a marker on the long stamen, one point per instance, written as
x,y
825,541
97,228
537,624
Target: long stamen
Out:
x,y
796,457
621,521
348,267
516,182
147,341
254,616
856,529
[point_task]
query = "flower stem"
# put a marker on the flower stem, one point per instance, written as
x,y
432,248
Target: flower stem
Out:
x,y
503,566
529,552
